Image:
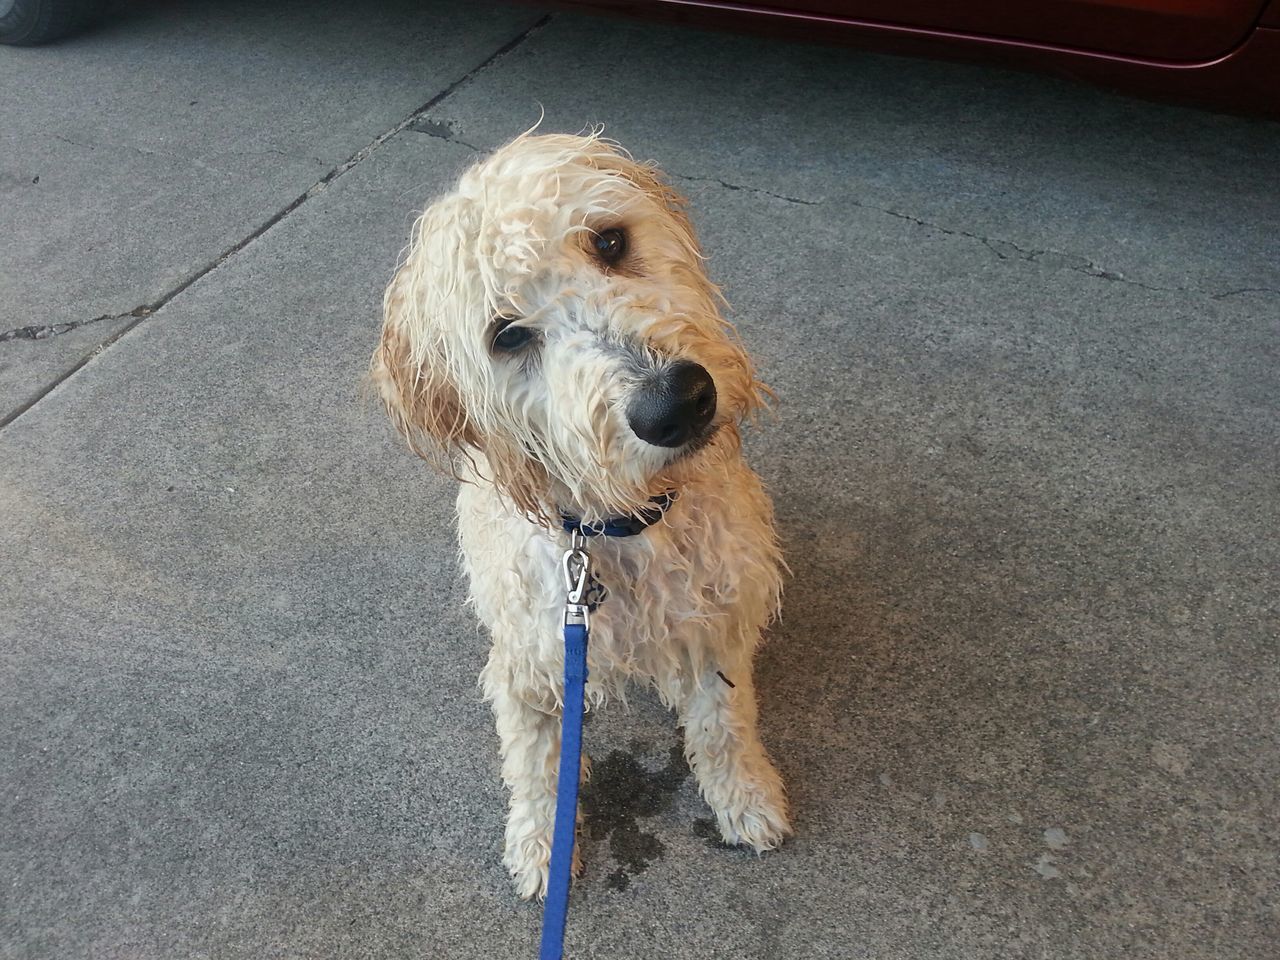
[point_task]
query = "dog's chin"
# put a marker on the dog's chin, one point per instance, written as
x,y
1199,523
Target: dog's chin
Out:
x,y
684,461
670,473
695,446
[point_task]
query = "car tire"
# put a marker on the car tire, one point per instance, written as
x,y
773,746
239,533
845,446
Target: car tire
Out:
x,y
28,22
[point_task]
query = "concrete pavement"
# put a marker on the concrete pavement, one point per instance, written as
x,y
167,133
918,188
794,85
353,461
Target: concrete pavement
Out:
x,y
1025,460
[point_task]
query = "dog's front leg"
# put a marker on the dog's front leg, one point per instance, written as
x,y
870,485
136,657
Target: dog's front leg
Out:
x,y
530,743
729,761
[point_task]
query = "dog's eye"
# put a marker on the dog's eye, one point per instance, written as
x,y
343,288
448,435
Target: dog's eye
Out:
x,y
610,245
512,338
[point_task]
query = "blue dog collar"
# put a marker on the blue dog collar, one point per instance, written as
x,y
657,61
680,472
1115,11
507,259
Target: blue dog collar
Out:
x,y
628,526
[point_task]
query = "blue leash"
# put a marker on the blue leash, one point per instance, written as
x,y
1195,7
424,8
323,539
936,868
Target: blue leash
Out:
x,y
555,911
583,593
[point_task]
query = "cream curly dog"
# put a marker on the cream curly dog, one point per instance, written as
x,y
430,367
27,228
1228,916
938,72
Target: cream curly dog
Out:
x,y
552,338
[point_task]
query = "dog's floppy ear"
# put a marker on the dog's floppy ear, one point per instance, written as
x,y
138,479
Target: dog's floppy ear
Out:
x,y
422,399
418,391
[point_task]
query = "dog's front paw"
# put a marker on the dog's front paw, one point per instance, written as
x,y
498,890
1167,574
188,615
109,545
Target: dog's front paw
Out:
x,y
754,813
528,858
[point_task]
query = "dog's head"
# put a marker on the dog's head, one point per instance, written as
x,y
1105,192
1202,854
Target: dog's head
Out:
x,y
552,323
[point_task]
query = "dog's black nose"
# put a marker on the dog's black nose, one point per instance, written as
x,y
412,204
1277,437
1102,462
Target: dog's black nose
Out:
x,y
675,407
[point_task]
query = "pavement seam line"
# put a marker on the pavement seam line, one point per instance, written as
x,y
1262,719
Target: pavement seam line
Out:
x,y
145,310
364,152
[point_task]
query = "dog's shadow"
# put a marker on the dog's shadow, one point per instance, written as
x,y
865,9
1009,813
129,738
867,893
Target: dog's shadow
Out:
x,y
900,663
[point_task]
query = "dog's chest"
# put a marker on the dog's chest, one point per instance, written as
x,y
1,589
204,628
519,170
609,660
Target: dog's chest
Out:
x,y
688,595
675,604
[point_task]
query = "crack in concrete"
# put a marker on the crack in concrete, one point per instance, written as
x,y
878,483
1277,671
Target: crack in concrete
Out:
x,y
1272,291
141,312
196,161
45,331
141,151
273,152
748,189
442,130
1007,249
1003,249
74,143
1069,261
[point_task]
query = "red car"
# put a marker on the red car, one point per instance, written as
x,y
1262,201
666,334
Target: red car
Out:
x,y
1223,53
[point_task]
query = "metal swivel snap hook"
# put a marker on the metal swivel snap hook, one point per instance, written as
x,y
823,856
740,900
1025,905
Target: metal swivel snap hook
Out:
x,y
576,565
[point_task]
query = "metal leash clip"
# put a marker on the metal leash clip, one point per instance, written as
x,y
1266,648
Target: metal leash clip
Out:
x,y
577,579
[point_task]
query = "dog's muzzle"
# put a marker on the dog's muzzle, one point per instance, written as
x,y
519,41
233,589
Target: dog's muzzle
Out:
x,y
675,406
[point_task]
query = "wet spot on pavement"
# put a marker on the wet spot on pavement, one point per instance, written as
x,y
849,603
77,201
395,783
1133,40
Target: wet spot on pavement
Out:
x,y
620,792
